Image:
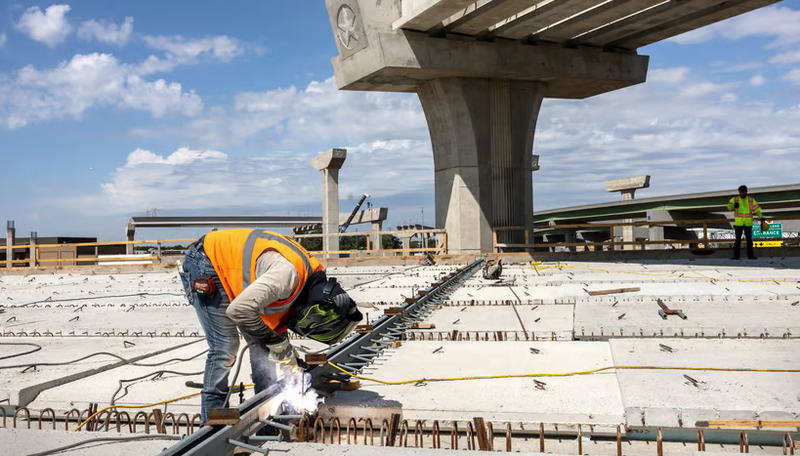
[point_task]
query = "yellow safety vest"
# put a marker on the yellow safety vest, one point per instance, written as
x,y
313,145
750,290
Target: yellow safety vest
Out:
x,y
743,215
234,253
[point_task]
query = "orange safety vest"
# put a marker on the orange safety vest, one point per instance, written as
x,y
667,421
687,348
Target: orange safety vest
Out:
x,y
743,215
234,253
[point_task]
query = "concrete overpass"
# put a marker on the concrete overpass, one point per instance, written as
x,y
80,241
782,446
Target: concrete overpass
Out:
x,y
776,201
481,70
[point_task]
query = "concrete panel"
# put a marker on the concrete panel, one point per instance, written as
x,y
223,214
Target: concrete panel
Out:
x,y
689,21
541,17
489,13
659,394
401,62
427,14
30,441
108,320
23,387
101,386
775,319
484,294
584,399
504,318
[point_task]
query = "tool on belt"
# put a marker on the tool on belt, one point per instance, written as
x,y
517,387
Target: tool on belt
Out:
x,y
204,285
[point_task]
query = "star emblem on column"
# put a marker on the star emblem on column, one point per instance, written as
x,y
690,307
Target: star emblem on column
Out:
x,y
346,22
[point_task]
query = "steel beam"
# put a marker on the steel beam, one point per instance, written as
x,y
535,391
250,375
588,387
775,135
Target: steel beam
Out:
x,y
430,14
592,19
214,441
687,22
485,14
543,15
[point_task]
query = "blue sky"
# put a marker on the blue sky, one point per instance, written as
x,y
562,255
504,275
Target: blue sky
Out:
x,y
108,109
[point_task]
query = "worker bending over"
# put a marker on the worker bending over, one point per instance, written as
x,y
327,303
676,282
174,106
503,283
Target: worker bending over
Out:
x,y
264,284
744,207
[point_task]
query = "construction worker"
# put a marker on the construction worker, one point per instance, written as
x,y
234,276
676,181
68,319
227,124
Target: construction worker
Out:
x,y
492,269
744,208
264,284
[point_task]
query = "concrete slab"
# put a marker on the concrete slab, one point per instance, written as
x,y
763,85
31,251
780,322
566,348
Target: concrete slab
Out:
x,y
591,399
536,319
29,441
640,318
668,398
485,293
132,320
22,385
101,387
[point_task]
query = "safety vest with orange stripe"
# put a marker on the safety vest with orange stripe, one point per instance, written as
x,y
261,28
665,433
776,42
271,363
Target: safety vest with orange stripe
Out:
x,y
743,215
234,254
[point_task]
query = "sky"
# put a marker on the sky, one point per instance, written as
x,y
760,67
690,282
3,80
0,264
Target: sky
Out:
x,y
110,109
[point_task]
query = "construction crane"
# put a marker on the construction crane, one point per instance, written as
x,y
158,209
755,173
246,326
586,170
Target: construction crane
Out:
x,y
346,225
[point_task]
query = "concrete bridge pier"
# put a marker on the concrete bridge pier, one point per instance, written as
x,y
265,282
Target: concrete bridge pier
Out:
x,y
482,133
481,88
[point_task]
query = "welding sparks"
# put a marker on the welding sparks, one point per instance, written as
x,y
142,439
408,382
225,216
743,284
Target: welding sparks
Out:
x,y
298,395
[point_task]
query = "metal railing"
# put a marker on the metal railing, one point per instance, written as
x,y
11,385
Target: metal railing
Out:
x,y
612,244
159,247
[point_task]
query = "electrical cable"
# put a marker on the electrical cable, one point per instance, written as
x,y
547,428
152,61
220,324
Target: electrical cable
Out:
x,y
236,372
20,344
49,300
566,374
113,355
235,376
155,375
108,439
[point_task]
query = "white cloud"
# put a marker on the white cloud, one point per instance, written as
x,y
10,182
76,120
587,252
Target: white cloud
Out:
x,y
3,39
688,132
793,77
222,48
181,156
190,179
779,22
704,88
314,115
792,56
49,27
107,32
668,76
86,81
757,80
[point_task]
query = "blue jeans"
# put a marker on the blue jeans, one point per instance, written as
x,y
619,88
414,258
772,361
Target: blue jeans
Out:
x,y
221,335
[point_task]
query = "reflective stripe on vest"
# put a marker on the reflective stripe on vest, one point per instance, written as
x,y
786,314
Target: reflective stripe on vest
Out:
x,y
247,261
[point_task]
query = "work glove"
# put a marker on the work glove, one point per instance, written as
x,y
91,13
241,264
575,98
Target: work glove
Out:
x,y
284,355
736,205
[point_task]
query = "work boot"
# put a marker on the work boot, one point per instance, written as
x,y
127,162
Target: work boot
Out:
x,y
735,258
751,258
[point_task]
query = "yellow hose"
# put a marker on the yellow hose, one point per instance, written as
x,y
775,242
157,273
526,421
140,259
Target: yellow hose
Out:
x,y
566,374
139,406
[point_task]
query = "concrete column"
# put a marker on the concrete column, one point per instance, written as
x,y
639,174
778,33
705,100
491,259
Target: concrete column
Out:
x,y
571,238
406,240
11,238
482,133
330,163
656,234
627,188
130,232
33,241
377,243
